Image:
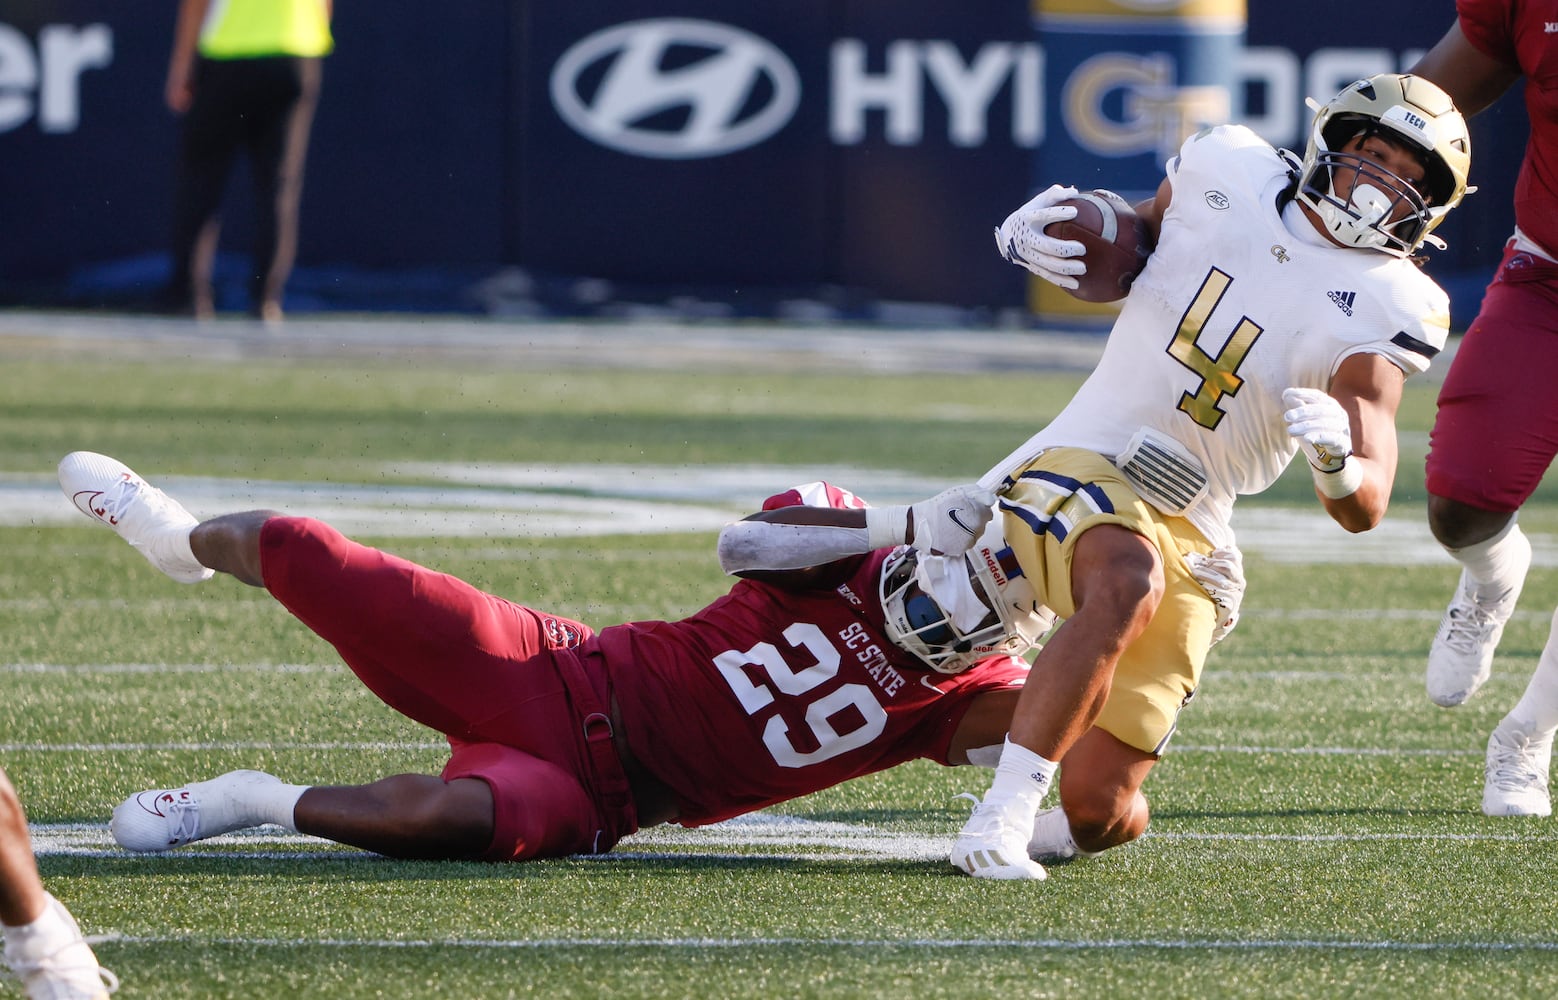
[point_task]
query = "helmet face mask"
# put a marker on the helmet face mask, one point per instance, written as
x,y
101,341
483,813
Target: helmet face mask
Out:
x,y
1380,210
1011,621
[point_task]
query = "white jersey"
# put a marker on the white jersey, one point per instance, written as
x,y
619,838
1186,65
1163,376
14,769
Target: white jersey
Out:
x,y
1232,308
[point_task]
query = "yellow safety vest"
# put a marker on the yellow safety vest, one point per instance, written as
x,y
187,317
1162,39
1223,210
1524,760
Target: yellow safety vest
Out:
x,y
245,29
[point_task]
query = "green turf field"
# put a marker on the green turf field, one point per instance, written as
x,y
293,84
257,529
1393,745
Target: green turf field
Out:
x,y
1316,829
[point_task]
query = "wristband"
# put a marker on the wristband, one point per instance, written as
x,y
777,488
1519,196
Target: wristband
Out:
x,y
886,526
1343,482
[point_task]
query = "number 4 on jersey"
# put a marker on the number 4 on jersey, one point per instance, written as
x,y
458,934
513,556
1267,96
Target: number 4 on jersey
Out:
x,y
1218,374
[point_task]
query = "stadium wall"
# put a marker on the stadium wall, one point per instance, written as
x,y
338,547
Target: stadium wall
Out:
x,y
825,159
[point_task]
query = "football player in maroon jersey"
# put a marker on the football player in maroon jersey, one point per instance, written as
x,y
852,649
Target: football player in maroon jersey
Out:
x,y
1496,430
858,638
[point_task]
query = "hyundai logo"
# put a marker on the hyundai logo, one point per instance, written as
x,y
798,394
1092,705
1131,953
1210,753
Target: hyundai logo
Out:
x,y
675,89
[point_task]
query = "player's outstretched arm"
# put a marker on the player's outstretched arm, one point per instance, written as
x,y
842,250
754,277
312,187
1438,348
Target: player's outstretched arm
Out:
x,y
790,546
800,538
1348,437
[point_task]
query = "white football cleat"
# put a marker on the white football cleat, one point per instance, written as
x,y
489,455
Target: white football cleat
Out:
x,y
108,491
1052,840
58,964
1515,774
994,844
161,819
1461,658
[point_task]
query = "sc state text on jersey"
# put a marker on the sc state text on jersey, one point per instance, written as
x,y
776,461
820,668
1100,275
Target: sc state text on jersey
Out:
x,y
871,658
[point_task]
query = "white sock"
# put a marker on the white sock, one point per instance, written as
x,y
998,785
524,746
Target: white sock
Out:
x,y
1497,565
173,545
1536,713
238,800
177,543
276,803
1022,776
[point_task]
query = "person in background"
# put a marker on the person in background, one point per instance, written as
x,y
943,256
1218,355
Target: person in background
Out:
x,y
1496,429
43,946
245,74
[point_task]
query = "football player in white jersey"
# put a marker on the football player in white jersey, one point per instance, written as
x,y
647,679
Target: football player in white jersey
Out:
x,y
1279,311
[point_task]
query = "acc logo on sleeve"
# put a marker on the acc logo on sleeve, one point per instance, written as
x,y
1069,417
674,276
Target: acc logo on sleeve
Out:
x,y
675,88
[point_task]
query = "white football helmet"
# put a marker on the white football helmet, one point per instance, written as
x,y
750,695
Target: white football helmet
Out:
x,y
953,611
1410,110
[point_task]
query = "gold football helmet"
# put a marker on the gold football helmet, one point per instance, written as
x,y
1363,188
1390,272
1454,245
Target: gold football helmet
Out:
x,y
1412,111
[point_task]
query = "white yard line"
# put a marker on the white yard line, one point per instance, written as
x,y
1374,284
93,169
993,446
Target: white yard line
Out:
x,y
763,835
873,944
593,345
513,501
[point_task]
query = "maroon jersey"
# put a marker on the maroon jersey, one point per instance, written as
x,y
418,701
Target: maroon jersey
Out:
x,y
734,718
1519,34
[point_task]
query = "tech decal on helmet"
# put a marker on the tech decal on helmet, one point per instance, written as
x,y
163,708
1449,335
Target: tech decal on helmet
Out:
x,y
953,611
1412,111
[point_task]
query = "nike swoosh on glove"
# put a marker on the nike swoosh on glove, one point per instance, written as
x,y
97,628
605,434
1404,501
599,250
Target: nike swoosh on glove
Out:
x,y
951,521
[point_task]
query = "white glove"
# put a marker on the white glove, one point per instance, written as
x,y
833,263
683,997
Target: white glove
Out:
x,y
1324,431
947,524
1321,426
951,521
1221,574
1021,238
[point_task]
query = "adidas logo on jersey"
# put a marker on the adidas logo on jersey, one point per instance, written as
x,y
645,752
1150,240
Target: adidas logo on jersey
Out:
x,y
1343,300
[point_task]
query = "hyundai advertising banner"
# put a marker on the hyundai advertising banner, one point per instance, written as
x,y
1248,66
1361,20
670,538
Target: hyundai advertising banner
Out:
x,y
813,159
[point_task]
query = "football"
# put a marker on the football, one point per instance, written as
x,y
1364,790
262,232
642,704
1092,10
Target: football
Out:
x,y
1116,242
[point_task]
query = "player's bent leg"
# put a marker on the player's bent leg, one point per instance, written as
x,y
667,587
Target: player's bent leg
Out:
x,y
231,544
1456,525
434,648
1052,841
1117,582
1499,390
539,808
1100,789
1493,572
403,816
